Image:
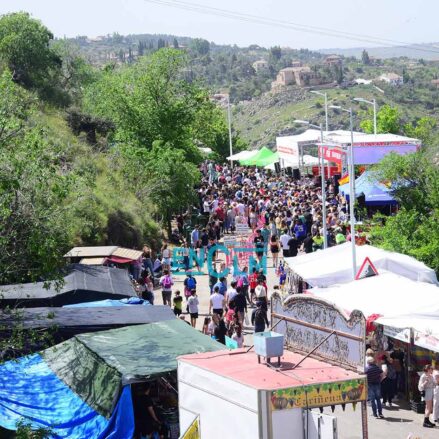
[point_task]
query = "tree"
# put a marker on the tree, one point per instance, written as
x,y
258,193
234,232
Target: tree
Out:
x,y
34,218
175,43
169,180
365,58
199,46
422,130
150,101
24,47
388,121
276,53
414,230
75,73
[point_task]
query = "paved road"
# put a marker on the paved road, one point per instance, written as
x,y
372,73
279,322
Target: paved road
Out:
x,y
399,421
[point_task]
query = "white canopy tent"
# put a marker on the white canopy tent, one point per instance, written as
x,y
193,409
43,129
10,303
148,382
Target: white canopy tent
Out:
x,y
334,265
386,294
308,160
424,323
243,155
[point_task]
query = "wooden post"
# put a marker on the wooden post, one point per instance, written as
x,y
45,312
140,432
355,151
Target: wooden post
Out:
x,y
364,419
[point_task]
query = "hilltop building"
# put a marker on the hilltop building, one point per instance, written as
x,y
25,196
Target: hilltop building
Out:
x,y
392,79
260,65
333,60
302,76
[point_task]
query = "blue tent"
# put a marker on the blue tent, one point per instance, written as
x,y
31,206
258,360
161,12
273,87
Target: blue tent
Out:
x,y
81,388
374,192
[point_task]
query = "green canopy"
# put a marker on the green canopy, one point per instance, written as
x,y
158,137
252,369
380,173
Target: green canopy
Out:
x,y
96,365
263,157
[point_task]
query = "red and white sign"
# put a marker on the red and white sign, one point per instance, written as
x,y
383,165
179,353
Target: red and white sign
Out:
x,y
367,269
334,155
290,150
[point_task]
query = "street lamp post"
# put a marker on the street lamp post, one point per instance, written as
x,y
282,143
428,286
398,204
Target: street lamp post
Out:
x,y
351,187
374,103
229,117
325,95
322,180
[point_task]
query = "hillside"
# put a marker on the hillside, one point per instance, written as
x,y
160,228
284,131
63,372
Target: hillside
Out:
x,y
261,120
414,51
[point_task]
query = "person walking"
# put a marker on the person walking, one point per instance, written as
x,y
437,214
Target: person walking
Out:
x,y
284,239
178,303
436,393
192,305
388,384
217,302
259,318
166,283
374,376
275,249
426,387
240,303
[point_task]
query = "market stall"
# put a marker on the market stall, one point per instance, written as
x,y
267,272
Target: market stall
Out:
x,y
269,403
416,335
334,265
374,191
262,158
275,400
81,283
64,323
385,294
87,387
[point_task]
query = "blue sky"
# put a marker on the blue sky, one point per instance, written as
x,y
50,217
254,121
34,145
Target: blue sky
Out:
x,y
403,20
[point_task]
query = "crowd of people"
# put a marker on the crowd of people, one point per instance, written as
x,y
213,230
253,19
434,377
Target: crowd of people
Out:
x,y
284,217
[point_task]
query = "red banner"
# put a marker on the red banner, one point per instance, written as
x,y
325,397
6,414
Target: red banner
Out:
x,y
334,155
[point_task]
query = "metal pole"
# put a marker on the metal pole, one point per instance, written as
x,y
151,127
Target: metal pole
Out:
x,y
375,117
352,195
326,111
323,182
229,116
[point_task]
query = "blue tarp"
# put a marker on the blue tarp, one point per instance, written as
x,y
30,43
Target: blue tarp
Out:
x,y
29,389
375,193
110,302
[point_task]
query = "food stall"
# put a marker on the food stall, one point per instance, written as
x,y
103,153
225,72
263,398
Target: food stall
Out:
x,y
274,400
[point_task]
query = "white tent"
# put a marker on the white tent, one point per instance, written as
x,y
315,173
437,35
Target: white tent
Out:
x,y
425,325
334,265
243,155
308,160
385,294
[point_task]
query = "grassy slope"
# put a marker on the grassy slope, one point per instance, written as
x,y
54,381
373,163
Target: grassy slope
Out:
x,y
259,122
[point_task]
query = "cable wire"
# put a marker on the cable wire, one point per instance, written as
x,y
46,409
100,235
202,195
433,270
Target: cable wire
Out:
x,y
249,18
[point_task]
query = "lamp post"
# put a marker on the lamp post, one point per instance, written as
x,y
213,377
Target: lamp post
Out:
x,y
229,117
322,179
325,95
351,187
374,103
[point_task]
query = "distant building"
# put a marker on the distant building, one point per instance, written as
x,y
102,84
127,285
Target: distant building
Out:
x,y
260,65
333,60
392,79
301,76
361,81
296,63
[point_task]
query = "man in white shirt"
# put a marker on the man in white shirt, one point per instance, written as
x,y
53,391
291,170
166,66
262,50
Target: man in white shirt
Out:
x,y
284,238
231,293
217,302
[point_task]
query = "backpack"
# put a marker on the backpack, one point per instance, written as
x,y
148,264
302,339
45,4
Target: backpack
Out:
x,y
167,283
191,283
